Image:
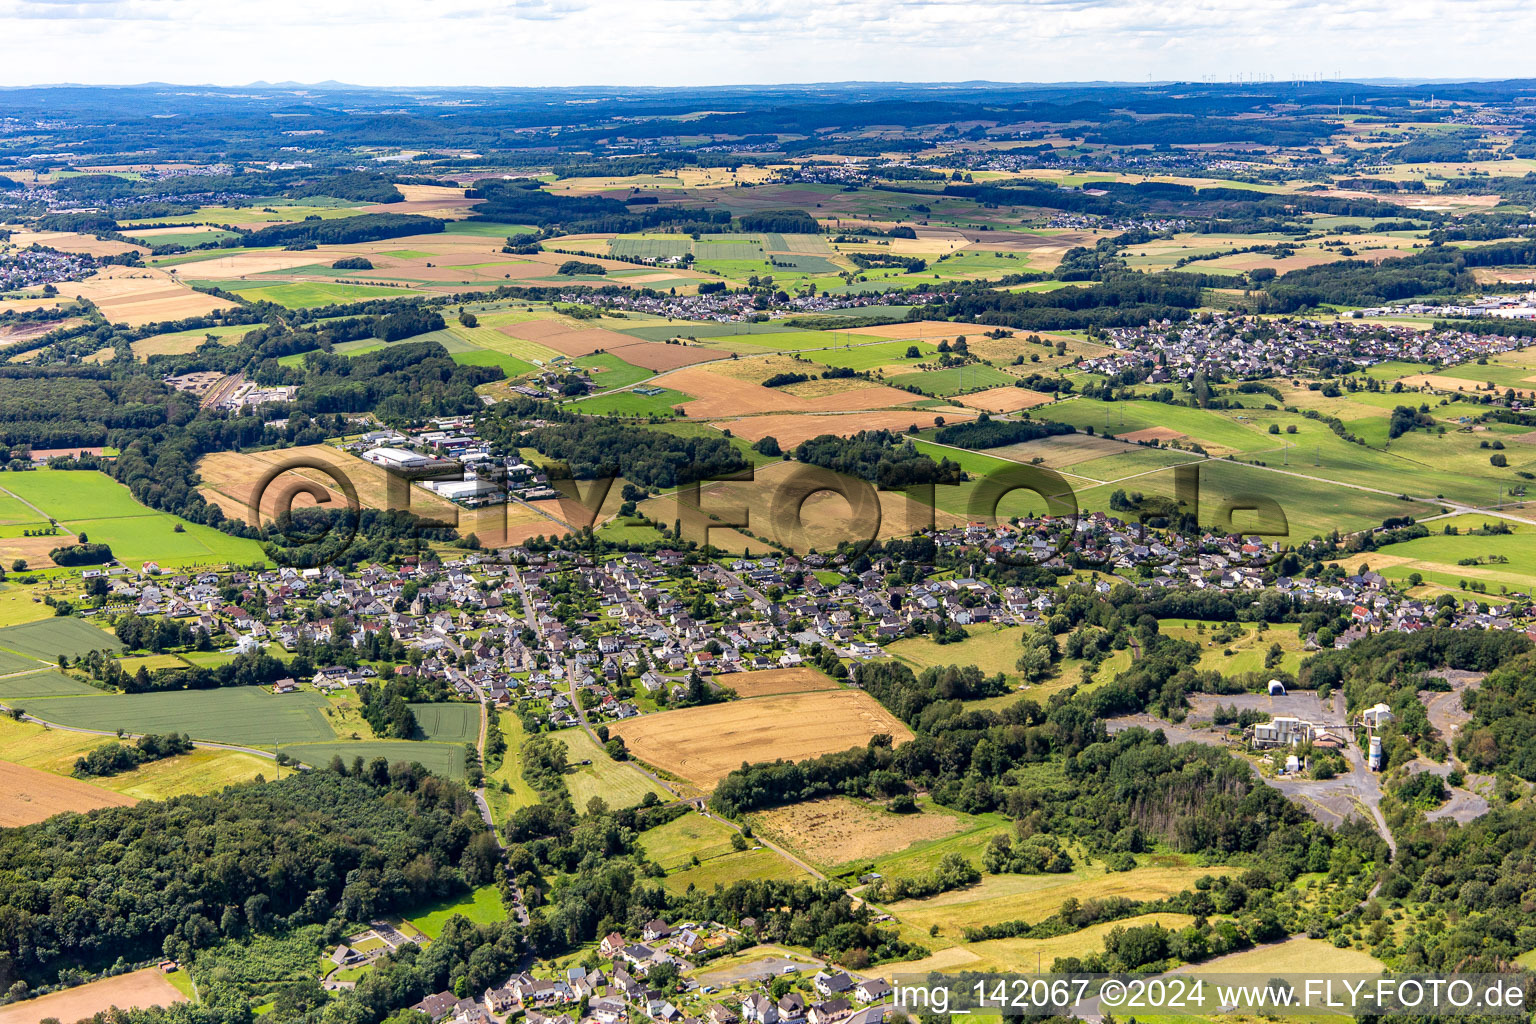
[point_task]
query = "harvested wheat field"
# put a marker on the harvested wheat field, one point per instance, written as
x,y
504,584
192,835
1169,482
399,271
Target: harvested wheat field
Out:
x,y
659,356
921,329
28,796
790,429
500,525
704,744
730,397
33,549
137,296
223,268
1004,399
135,991
230,477
1440,382
776,680
565,340
429,201
837,829
1153,434
70,241
701,528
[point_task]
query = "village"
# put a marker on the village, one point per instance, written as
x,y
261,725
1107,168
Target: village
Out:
x,y
1220,346
640,979
561,632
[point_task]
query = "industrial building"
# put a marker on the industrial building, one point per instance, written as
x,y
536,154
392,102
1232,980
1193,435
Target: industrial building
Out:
x,y
397,458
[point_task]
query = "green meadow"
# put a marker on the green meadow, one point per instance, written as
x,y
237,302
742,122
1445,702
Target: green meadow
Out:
x,y
246,716
304,294
49,638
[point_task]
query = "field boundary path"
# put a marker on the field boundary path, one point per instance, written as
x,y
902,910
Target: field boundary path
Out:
x,y
44,515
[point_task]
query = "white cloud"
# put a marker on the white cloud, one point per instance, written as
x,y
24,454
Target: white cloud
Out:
x,y
702,42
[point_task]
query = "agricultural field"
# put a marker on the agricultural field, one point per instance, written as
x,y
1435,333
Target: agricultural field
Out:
x,y
204,770
1019,955
182,342
998,898
704,744
448,723
952,381
1296,954
1504,561
138,990
48,639
620,785
136,296
42,684
445,759
28,796
244,716
135,532
755,864
840,830
776,680
992,649
674,844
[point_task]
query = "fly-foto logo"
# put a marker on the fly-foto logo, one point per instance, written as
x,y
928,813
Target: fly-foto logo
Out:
x,y
793,506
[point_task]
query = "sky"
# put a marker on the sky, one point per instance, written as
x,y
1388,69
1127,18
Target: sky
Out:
x,y
720,42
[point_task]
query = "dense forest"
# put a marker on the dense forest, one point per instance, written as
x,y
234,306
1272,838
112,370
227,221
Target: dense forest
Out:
x,y
368,227
879,456
309,849
600,448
